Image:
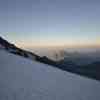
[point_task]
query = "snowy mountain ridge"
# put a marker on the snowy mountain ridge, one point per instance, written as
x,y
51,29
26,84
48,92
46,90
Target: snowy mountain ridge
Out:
x,y
89,70
4,44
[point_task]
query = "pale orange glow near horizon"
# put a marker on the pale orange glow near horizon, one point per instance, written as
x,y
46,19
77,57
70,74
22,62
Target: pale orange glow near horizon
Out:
x,y
67,44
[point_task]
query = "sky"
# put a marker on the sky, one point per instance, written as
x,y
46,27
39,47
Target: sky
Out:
x,y
30,23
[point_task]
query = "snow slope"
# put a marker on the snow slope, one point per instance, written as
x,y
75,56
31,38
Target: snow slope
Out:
x,y
22,79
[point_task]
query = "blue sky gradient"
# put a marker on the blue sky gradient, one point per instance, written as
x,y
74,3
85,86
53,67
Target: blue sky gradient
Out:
x,y
50,22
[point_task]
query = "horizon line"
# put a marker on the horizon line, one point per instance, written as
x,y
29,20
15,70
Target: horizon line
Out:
x,y
60,46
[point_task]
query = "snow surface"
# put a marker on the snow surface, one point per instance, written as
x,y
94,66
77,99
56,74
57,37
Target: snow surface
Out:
x,y
22,79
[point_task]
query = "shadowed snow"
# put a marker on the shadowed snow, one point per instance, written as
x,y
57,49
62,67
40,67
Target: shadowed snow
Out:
x,y
22,79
